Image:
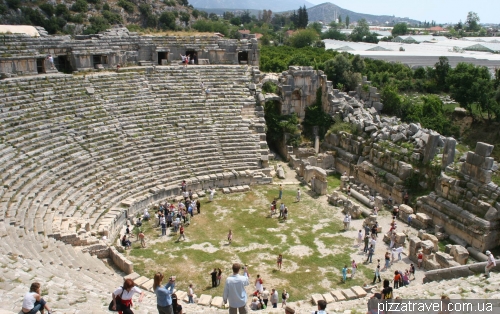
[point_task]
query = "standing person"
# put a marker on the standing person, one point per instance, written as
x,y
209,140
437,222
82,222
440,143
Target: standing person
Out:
x,y
285,213
122,297
397,279
181,233
344,274
198,206
354,267
212,192
234,291
420,258
258,284
412,271
298,195
207,92
371,250
191,294
387,260
284,297
367,240
219,276
202,87
265,296
373,242
377,275
33,301
387,291
282,210
274,298
406,198
279,261
281,191
360,237
230,236
491,263
163,225
51,61
409,220
214,278
163,294
142,238
347,222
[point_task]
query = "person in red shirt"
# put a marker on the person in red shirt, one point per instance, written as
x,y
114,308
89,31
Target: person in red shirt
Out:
x,y
397,279
181,231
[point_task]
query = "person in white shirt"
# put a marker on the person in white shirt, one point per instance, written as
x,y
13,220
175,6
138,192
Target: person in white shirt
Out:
x,y
191,294
234,291
490,264
33,302
122,297
298,194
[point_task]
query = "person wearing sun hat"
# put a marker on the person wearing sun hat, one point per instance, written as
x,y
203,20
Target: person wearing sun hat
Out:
x,y
490,263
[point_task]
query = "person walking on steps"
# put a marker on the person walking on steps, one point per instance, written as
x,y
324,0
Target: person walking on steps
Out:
x,y
490,264
122,297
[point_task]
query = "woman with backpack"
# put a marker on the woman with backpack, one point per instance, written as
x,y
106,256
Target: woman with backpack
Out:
x,y
122,297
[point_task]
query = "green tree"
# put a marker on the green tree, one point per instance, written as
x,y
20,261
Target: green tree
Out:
x,y
347,21
442,69
316,26
315,116
336,67
97,24
13,4
470,84
303,38
400,29
48,9
360,31
472,22
185,17
333,34
167,20
392,101
126,5
80,6
358,64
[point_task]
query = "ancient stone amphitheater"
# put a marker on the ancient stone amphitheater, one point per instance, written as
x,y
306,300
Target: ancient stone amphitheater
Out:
x,y
81,152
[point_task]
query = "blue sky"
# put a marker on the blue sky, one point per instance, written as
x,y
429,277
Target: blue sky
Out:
x,y
441,11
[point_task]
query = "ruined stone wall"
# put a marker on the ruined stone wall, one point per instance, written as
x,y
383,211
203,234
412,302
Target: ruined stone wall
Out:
x,y
118,46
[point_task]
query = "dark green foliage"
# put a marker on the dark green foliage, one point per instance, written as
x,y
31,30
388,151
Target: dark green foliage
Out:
x,y
80,6
303,38
315,116
106,7
269,87
97,24
94,1
48,9
167,20
277,125
76,18
184,17
399,29
145,9
13,4
277,59
333,34
112,18
127,5
210,26
3,9
183,2
62,10
195,13
235,21
170,3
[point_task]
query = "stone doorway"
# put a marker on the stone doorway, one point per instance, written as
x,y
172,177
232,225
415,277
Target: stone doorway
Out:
x,y
40,65
243,57
162,55
62,64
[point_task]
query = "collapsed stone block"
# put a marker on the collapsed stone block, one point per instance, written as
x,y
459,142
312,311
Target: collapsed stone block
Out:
x,y
427,247
460,254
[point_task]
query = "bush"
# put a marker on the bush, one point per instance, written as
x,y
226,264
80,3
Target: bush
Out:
x,y
106,7
3,9
269,87
80,6
315,116
167,20
303,38
13,4
62,10
127,6
48,9
112,18
97,24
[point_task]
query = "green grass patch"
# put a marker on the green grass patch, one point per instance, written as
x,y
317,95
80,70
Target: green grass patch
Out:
x,y
311,241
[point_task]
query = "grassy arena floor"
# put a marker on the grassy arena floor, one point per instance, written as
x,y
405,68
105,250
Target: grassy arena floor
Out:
x,y
311,241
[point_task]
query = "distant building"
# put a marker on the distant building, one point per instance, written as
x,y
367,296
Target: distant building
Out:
x,y
245,33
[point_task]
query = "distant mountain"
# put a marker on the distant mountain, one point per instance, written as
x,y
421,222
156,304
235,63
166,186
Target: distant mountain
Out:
x,y
325,12
276,5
